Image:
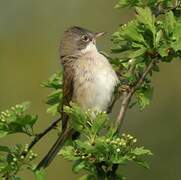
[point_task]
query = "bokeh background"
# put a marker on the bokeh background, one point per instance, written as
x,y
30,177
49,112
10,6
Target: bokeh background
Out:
x,y
30,31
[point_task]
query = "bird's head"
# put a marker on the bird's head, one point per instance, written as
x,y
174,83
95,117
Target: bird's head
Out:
x,y
77,40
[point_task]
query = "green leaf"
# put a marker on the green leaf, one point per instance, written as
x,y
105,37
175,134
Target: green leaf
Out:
x,y
119,160
138,53
99,122
146,17
112,132
176,44
40,175
53,109
169,23
55,97
27,120
78,166
144,95
5,149
68,152
159,36
88,177
3,133
15,120
78,117
163,50
142,163
128,3
140,151
84,145
130,32
55,81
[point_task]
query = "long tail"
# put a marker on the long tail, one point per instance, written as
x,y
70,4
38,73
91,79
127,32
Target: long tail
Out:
x,y
55,149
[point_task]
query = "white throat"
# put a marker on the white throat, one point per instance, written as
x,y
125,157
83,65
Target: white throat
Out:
x,y
91,47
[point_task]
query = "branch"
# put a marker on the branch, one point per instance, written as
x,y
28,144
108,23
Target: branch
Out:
x,y
116,96
128,95
39,136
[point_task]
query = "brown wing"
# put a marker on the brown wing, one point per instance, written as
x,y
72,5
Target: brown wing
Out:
x,y
67,85
68,74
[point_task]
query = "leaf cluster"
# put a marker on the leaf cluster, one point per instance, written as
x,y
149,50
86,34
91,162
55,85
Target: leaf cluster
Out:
x,y
152,36
148,37
100,147
12,121
12,161
15,120
157,6
54,99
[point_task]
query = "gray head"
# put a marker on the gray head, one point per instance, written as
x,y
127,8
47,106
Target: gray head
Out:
x,y
77,40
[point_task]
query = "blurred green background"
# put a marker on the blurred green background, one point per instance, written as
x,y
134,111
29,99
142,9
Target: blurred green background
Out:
x,y
30,31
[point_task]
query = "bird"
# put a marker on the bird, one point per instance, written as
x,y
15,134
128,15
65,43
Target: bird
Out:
x,y
88,80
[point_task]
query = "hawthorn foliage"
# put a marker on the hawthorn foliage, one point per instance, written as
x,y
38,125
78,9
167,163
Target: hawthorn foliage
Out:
x,y
139,46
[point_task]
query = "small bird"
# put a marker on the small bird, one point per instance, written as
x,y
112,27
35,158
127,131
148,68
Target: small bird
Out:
x,y
88,79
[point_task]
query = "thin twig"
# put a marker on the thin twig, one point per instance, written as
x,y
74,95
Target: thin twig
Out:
x,y
117,95
59,143
39,136
128,95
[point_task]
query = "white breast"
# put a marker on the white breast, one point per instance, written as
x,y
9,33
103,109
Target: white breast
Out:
x,y
94,82
104,84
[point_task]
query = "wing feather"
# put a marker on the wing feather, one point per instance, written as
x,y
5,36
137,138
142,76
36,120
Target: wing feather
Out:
x,y
68,86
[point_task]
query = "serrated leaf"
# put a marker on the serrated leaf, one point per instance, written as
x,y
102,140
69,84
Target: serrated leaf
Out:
x,y
78,117
15,120
100,147
130,32
53,109
68,152
118,160
159,36
55,81
55,97
99,122
169,23
138,53
27,120
84,145
140,151
143,163
176,43
112,132
162,50
78,165
144,95
146,17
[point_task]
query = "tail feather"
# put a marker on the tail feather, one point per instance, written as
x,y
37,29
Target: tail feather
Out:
x,y
55,149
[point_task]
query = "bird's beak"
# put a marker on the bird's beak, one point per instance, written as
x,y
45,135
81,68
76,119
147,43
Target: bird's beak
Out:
x,y
99,34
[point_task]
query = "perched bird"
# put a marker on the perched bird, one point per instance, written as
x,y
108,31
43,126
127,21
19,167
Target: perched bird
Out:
x,y
88,79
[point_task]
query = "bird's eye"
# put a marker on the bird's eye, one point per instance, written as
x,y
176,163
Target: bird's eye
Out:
x,y
85,38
